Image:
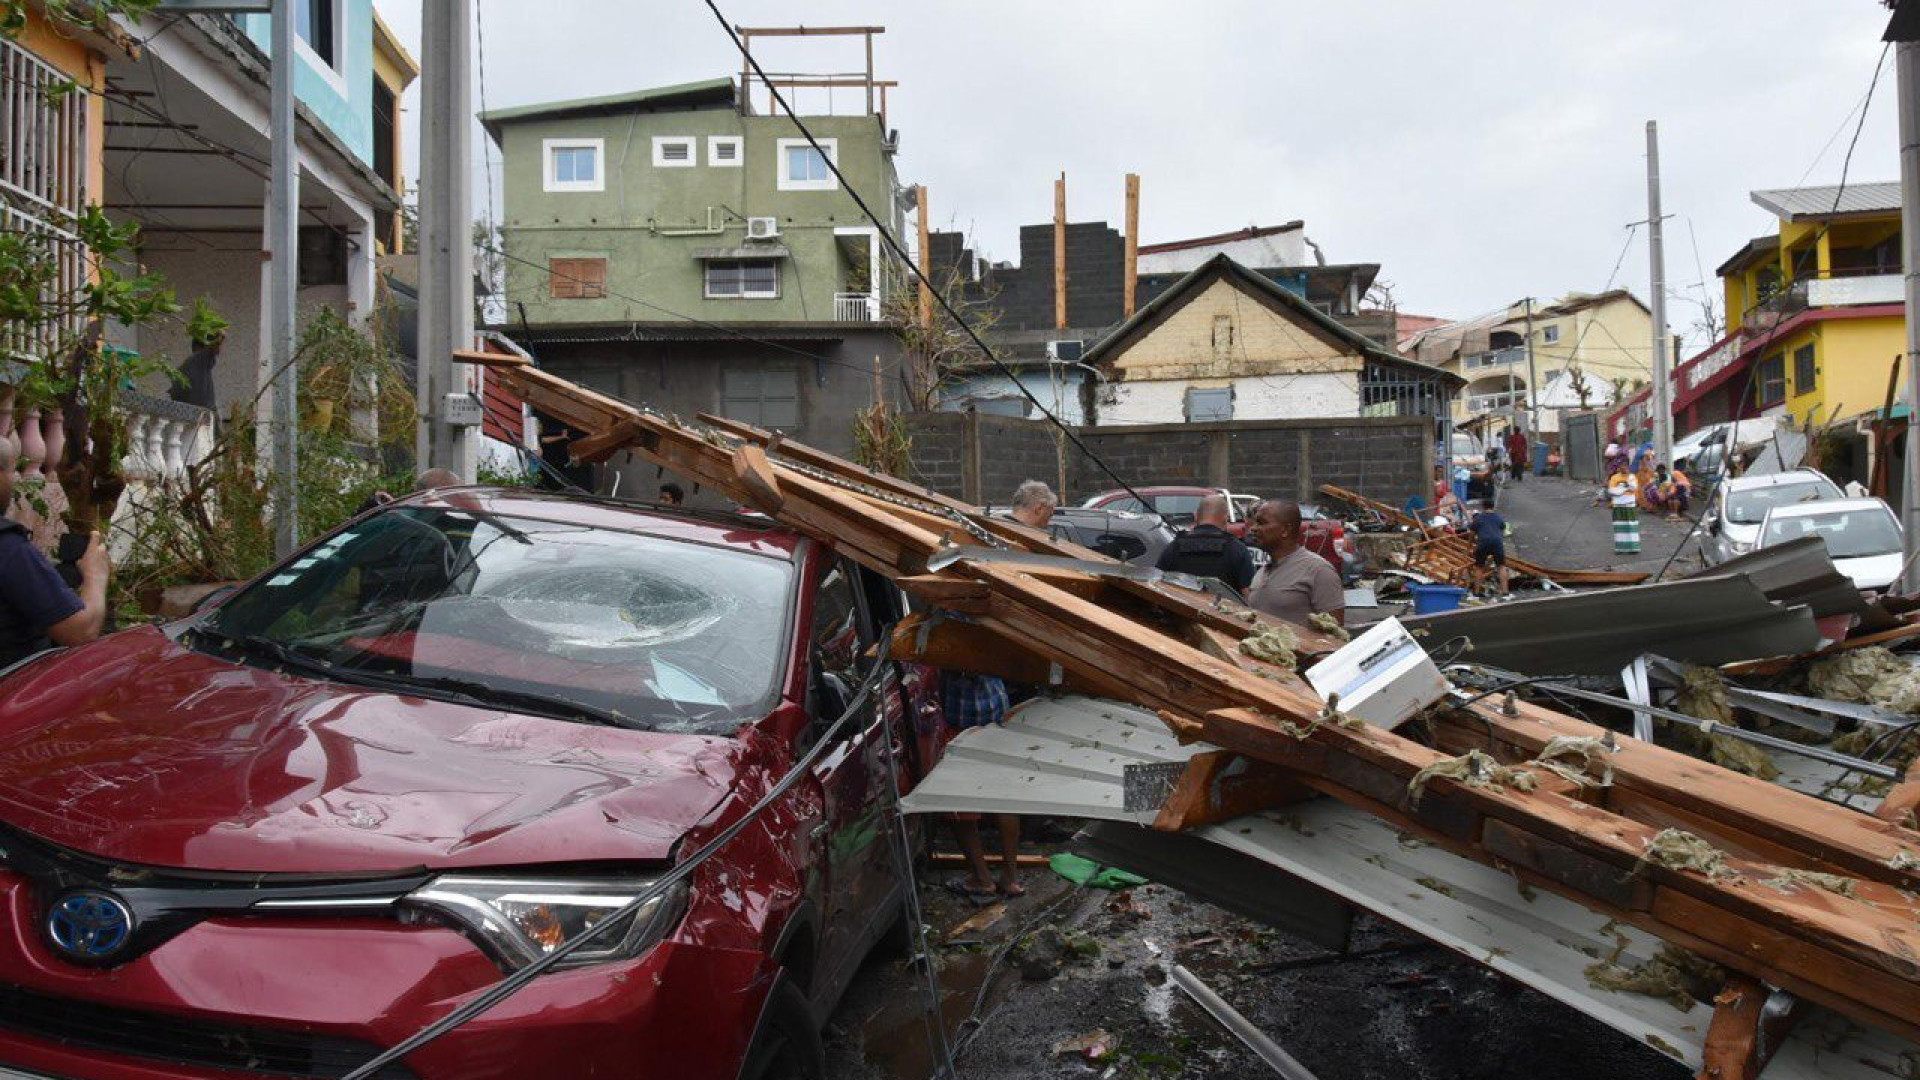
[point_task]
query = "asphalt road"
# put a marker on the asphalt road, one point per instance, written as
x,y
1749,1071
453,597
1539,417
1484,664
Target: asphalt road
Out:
x,y
1557,523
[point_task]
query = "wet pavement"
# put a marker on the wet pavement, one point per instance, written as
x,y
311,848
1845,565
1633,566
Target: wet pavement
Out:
x,y
1557,523
1392,1007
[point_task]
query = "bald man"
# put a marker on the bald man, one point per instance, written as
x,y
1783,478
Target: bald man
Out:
x,y
1206,550
1295,583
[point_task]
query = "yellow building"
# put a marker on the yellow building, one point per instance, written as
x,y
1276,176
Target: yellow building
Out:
x,y
1817,308
393,71
1585,349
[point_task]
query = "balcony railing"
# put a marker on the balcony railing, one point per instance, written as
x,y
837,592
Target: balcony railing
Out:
x,y
1844,291
1512,354
855,307
1480,403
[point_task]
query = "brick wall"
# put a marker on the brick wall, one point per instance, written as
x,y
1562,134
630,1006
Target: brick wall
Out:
x,y
1387,458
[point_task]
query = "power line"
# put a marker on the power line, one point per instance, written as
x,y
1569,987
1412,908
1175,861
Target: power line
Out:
x,y
900,252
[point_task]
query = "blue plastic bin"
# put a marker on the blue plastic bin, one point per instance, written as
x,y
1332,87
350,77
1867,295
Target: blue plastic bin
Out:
x,y
1433,599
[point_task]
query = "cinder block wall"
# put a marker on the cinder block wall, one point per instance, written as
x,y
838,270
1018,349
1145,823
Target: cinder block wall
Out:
x,y
981,458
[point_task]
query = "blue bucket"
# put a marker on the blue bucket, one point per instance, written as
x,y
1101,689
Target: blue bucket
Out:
x,y
1433,599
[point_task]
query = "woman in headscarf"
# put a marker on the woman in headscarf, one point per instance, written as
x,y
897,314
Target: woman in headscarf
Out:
x,y
1623,491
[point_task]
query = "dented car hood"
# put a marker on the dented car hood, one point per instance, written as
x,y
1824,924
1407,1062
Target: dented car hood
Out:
x,y
135,748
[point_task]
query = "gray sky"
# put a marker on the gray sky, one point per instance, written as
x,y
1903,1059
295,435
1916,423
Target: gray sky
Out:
x,y
1479,152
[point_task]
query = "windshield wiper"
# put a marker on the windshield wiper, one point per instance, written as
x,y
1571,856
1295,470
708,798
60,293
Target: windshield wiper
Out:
x,y
474,692
266,648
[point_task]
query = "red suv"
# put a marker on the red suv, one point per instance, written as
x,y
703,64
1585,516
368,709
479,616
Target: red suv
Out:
x,y
1324,536
287,833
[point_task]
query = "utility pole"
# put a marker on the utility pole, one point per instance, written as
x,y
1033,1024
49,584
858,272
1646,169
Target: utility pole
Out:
x,y
1907,65
447,412
1533,380
1060,252
283,283
1130,287
1662,389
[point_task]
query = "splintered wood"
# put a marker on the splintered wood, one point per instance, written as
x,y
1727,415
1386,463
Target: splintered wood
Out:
x,y
1169,649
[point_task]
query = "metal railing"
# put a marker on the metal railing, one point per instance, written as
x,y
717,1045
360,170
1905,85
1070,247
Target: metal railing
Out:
x,y
856,307
43,171
1512,354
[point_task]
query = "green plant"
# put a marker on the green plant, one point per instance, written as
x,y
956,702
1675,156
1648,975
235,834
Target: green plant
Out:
x,y
66,16
205,326
881,441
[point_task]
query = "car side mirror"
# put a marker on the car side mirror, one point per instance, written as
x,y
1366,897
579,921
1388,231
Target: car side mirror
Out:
x,y
831,696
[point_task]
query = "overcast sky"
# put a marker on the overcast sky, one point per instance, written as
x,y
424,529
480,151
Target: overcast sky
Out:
x,y
1480,152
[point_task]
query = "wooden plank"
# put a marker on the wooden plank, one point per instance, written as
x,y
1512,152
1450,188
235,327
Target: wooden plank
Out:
x,y
949,593
755,475
594,449
1060,253
1209,791
964,646
1732,1050
500,361
1130,283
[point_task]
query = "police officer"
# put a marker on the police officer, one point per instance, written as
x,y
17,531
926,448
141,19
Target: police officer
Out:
x,y
37,610
1207,550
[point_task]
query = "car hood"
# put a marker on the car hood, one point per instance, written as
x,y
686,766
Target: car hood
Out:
x,y
1871,572
134,748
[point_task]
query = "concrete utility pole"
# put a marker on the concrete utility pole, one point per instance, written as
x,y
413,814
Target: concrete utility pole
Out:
x,y
283,284
446,439
1907,65
1662,400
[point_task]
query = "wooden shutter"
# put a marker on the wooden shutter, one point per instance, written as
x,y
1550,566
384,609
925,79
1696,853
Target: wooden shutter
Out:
x,y
577,279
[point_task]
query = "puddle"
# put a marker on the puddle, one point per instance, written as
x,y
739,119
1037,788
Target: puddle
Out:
x,y
895,1037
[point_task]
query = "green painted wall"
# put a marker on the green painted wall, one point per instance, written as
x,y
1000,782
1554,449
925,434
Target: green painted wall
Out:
x,y
629,221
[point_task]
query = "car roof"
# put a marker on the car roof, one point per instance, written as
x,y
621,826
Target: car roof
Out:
x,y
1792,476
716,528
1828,506
1166,489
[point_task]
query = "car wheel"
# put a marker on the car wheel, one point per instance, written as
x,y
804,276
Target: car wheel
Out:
x,y
786,1046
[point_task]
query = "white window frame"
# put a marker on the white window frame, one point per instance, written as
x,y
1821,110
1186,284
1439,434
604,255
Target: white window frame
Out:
x,y
714,142
707,291
334,73
660,144
599,148
1550,335
830,147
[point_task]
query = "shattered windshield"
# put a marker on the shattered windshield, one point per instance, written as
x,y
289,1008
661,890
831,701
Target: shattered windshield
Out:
x,y
636,630
1849,534
1750,507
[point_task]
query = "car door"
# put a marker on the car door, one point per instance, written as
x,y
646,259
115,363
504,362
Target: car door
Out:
x,y
850,842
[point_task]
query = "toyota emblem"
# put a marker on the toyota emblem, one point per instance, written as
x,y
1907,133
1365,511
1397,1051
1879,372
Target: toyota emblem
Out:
x,y
89,926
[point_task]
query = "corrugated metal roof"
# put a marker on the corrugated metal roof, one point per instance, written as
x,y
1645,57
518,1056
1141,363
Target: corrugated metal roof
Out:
x,y
1800,204
1066,756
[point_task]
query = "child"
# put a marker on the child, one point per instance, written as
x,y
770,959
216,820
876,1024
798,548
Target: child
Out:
x,y
1490,543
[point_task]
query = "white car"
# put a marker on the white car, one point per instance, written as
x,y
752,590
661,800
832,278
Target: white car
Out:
x,y
1732,522
1862,536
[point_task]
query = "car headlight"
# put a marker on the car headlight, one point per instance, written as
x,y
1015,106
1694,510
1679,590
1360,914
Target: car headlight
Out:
x,y
520,920
1738,548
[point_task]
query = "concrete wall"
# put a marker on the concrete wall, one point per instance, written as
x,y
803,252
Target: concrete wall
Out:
x,y
1062,397
649,220
685,378
341,96
968,455
1226,332
1264,397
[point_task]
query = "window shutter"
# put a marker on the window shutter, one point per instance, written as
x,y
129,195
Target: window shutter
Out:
x,y
577,279
561,283
726,151
676,151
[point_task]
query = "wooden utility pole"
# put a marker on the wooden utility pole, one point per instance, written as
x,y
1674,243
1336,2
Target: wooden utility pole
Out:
x,y
926,260
1060,252
1133,243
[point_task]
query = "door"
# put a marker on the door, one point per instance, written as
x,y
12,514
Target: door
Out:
x,y
851,773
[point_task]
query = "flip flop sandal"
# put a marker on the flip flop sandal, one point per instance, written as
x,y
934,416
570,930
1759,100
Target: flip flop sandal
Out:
x,y
978,897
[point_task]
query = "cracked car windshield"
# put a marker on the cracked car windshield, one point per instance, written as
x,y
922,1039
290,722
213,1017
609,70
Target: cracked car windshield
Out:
x,y
651,633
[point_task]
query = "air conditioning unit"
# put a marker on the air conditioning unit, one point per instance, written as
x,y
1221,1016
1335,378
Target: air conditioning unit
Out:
x,y
1065,352
763,228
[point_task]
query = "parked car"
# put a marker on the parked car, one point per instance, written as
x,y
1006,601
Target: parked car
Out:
x,y
1466,450
1702,453
1322,534
284,834
1862,536
1118,534
1731,525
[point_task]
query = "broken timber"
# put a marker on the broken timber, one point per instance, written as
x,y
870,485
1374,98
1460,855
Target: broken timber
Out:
x,y
1148,643
1448,557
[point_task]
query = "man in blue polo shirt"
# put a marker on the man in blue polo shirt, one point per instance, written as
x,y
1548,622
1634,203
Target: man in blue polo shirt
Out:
x,y
37,610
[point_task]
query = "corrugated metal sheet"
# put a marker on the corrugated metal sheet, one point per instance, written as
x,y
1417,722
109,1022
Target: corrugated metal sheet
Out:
x,y
1798,204
1065,756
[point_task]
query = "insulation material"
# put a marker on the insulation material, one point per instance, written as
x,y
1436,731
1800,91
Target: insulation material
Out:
x,y
1674,975
1702,693
1327,624
1274,644
1590,751
1870,676
1678,849
1474,769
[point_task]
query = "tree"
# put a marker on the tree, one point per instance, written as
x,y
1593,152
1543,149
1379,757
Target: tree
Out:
x,y
934,351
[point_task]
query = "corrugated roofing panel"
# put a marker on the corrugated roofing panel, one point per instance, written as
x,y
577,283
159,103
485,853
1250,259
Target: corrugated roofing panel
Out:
x,y
1798,204
1066,755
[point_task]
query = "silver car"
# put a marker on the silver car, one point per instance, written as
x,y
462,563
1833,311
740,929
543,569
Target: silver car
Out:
x,y
1732,523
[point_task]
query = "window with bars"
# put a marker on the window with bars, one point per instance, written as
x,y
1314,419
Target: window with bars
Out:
x,y
43,139
1805,374
763,397
577,278
674,151
750,279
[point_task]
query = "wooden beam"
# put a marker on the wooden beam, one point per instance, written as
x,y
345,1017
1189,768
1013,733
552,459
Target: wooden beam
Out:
x,y
1131,283
1060,253
925,259
594,449
1212,790
755,475
806,31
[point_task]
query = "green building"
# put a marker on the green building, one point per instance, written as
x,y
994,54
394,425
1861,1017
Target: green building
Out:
x,y
669,247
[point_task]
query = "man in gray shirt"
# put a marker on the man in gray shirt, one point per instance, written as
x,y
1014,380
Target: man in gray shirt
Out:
x,y
1296,582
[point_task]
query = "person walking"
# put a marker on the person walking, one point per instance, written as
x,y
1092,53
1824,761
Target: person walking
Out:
x,y
1490,544
1517,453
1296,583
1623,491
1208,550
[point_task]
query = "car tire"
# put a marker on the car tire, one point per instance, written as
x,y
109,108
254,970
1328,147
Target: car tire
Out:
x,y
786,1046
